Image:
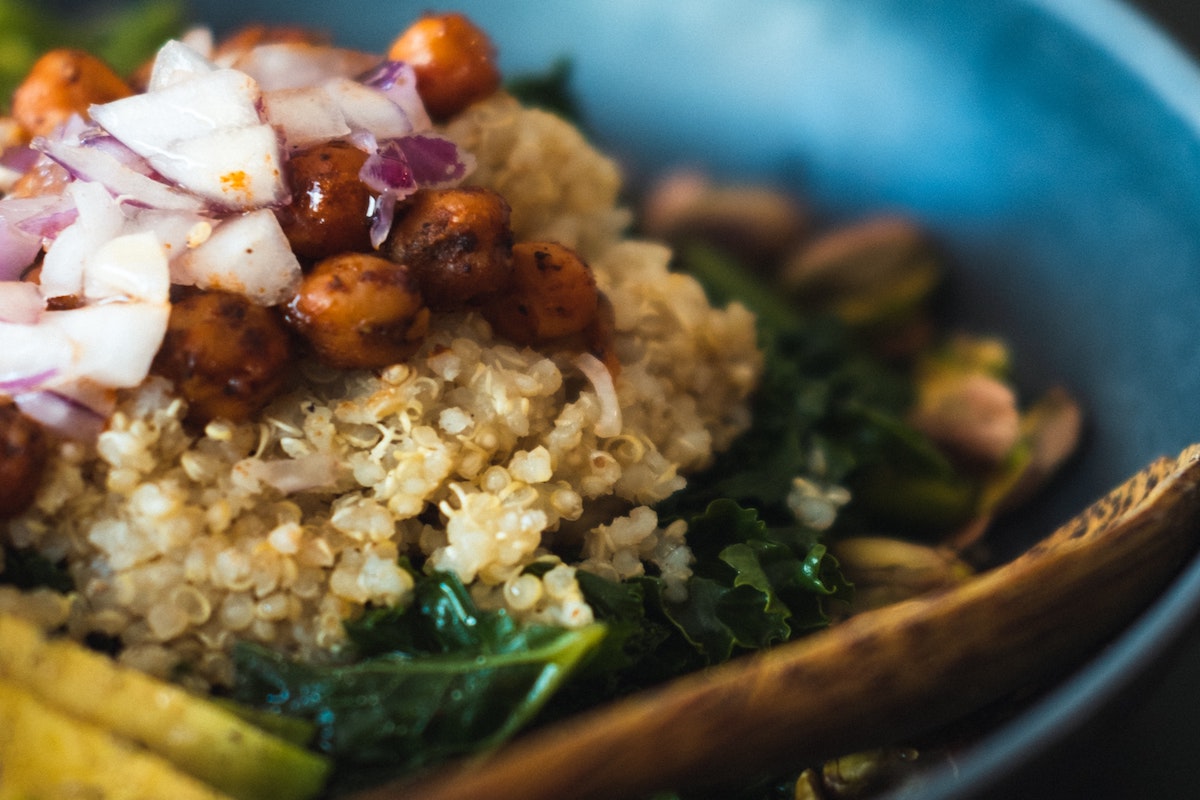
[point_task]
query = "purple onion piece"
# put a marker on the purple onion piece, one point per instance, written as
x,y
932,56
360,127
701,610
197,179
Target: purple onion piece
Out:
x,y
61,414
27,383
435,162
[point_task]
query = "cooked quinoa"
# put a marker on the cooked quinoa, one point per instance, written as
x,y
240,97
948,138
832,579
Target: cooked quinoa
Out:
x,y
475,456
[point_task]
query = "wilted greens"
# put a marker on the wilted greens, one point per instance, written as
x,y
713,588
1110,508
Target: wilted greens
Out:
x,y
123,34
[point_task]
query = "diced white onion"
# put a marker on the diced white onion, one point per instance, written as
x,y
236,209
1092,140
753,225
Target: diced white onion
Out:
x,y
248,254
20,302
32,356
290,475
601,379
115,343
132,267
175,62
369,109
291,65
152,123
305,116
101,166
237,168
100,219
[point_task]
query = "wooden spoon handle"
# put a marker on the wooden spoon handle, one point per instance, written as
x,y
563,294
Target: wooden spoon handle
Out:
x,y
878,677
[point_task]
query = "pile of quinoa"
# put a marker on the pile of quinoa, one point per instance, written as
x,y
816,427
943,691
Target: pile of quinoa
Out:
x,y
475,456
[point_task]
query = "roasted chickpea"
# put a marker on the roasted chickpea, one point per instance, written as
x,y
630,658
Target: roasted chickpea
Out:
x,y
61,83
552,294
454,61
457,242
330,208
23,453
227,356
360,311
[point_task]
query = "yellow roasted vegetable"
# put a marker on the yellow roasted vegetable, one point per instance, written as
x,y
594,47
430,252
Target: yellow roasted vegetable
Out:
x,y
199,737
45,753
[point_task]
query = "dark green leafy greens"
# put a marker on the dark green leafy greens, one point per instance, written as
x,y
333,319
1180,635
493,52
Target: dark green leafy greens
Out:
x,y
437,679
441,678
27,570
122,34
549,90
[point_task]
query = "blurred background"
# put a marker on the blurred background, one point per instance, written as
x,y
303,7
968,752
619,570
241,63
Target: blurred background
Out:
x,y
1180,17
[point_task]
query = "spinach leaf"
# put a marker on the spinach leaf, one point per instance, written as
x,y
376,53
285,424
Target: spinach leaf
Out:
x,y
549,90
458,680
827,410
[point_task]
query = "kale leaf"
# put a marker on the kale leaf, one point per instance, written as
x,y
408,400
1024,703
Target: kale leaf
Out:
x,y
439,678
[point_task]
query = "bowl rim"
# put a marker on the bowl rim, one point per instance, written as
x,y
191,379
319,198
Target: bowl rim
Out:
x,y
1148,53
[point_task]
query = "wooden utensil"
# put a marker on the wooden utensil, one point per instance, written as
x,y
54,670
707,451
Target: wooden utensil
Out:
x,y
879,677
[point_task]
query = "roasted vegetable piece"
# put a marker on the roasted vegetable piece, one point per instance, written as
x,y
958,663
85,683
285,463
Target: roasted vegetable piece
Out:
x,y
457,242
454,62
23,452
47,753
196,735
552,294
360,311
330,208
227,356
64,82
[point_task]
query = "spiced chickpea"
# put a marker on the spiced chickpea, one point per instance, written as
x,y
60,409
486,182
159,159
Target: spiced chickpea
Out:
x,y
61,83
330,208
227,356
454,61
457,242
23,453
552,294
360,311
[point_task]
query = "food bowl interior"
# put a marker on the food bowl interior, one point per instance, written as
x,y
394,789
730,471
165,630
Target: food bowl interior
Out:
x,y
1051,146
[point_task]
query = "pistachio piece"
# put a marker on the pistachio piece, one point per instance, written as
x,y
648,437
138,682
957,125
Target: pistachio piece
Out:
x,y
886,570
756,223
875,273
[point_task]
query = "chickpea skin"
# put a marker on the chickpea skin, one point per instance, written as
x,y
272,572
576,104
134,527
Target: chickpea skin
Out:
x,y
552,294
360,311
227,356
454,61
457,242
330,208
61,83
23,453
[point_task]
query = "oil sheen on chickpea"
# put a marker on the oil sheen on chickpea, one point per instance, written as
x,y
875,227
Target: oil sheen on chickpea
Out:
x,y
330,208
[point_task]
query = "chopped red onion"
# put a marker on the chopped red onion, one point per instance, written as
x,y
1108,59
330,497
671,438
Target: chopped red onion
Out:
x,y
64,415
383,213
22,228
398,167
398,81
20,302
435,161
103,164
17,251
290,475
388,170
19,158
27,383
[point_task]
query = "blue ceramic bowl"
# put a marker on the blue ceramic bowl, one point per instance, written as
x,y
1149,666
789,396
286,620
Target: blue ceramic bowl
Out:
x,y
1052,145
